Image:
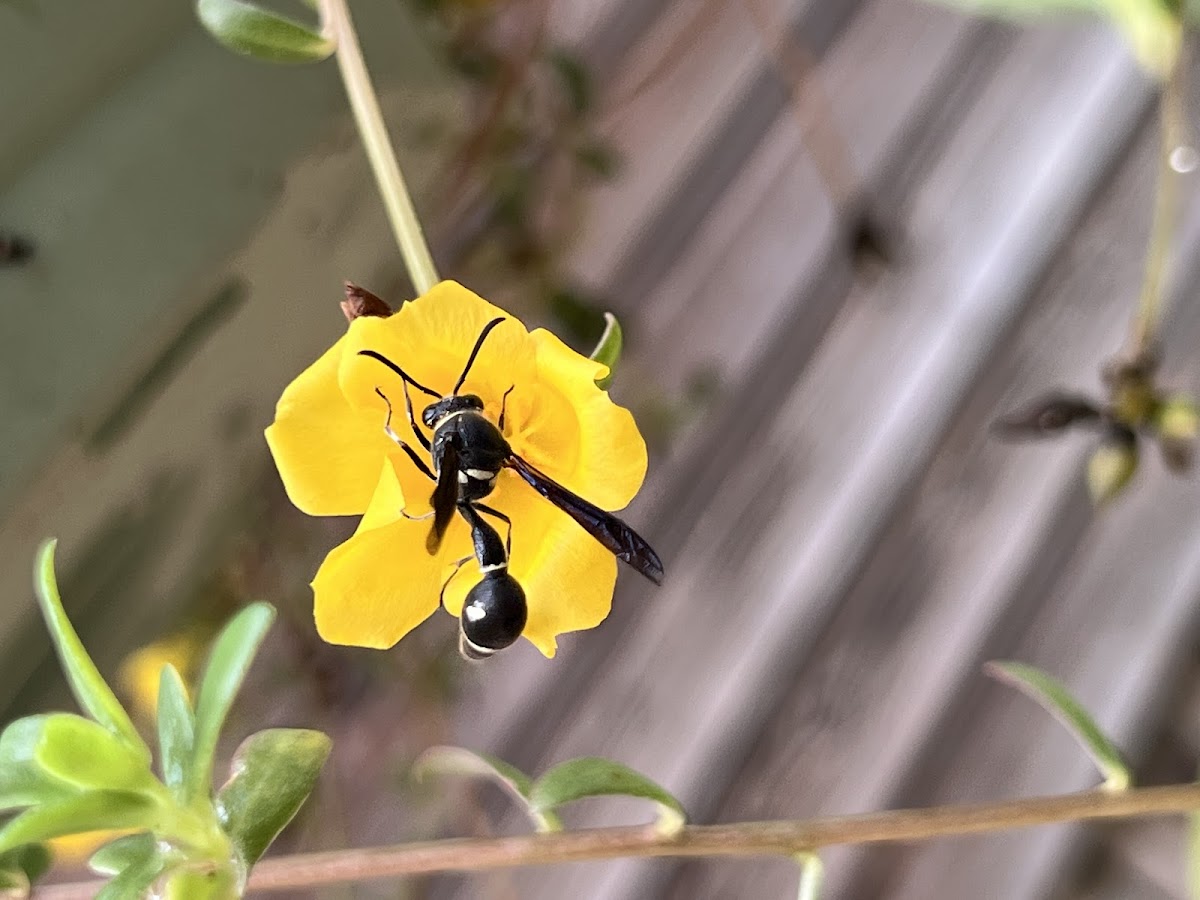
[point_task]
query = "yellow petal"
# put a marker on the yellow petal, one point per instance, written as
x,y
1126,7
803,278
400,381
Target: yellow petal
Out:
x,y
378,586
431,339
382,583
73,849
327,453
567,576
576,434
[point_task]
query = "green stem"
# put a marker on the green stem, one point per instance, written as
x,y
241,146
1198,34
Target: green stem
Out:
x,y
1173,131
790,839
336,21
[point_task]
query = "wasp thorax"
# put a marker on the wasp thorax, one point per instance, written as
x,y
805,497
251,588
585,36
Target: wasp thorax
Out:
x,y
435,412
493,615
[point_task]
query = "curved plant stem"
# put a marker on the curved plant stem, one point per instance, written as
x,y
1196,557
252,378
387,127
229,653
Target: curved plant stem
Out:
x,y
1174,134
336,21
742,839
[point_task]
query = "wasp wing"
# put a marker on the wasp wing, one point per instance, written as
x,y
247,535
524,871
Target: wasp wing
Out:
x,y
445,498
617,537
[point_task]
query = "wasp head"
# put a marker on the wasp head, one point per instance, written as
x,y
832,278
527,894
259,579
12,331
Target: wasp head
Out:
x,y
435,412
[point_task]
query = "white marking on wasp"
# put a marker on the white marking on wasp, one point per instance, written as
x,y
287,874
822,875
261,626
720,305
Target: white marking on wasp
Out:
x,y
474,613
493,568
446,418
481,474
463,478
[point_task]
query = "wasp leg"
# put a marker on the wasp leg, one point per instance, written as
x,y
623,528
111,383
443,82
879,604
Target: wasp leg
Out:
x,y
422,518
412,420
457,568
495,513
503,405
390,432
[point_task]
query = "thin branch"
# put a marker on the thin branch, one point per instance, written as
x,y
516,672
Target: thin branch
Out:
x,y
796,66
743,839
406,226
1173,134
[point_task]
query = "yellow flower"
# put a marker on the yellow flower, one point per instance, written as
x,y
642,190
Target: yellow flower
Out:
x,y
141,670
75,849
329,444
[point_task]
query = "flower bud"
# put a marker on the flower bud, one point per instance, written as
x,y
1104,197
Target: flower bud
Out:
x,y
1112,465
361,302
1178,423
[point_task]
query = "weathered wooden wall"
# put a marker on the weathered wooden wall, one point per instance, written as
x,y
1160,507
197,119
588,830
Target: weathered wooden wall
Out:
x,y
844,544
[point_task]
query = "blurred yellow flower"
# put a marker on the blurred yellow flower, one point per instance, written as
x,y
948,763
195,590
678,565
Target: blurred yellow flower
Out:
x,y
329,444
140,671
76,849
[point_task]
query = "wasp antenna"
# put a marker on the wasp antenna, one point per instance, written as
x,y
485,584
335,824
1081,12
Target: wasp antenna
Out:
x,y
399,371
487,329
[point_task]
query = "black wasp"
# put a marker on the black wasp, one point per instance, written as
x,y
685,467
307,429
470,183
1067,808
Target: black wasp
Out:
x,y
468,451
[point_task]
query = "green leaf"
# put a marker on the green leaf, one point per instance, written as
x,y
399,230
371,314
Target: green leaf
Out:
x,y
273,772
1151,27
575,79
21,867
135,879
458,761
117,856
94,696
176,730
135,860
93,811
1052,696
600,158
82,753
227,666
23,782
595,777
252,31
14,885
812,874
608,350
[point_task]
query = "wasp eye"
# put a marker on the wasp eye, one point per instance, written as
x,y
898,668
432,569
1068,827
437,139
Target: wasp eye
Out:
x,y
493,615
429,415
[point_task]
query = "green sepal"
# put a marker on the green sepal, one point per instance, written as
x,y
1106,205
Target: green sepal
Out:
x,y
272,774
1050,694
514,782
81,753
231,656
252,31
94,696
608,350
176,731
93,811
597,777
